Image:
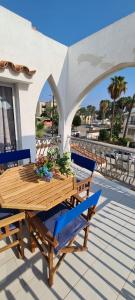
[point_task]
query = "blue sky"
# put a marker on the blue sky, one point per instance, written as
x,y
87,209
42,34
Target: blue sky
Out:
x,y
68,21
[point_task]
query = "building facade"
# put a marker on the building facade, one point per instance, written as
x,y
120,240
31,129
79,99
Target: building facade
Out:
x,y
131,125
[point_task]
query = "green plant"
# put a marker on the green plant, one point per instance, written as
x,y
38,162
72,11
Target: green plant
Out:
x,y
104,135
64,164
116,128
132,144
39,129
104,106
117,86
123,141
76,121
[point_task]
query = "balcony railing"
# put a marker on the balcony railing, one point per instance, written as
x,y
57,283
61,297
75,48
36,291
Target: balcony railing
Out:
x,y
131,123
112,161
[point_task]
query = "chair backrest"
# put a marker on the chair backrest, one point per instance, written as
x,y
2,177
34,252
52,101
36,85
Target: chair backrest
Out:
x,y
63,220
14,156
83,162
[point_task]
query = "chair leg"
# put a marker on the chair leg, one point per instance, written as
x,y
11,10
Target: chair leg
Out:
x,y
50,262
20,239
31,240
86,236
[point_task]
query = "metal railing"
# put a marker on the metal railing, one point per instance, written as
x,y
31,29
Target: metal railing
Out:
x,y
112,161
131,122
7,147
43,144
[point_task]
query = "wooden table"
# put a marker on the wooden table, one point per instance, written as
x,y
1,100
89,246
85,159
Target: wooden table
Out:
x,y
20,188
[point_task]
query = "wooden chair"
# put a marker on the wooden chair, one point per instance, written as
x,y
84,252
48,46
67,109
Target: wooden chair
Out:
x,y
11,227
84,162
83,191
83,186
11,220
54,231
14,156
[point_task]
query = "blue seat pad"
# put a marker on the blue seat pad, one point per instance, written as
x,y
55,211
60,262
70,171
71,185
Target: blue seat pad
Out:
x,y
49,218
5,213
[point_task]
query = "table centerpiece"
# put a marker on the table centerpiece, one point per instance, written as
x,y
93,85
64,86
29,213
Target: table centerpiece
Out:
x,y
53,164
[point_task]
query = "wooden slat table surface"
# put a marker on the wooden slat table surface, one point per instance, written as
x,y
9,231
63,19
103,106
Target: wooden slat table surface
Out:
x,y
21,188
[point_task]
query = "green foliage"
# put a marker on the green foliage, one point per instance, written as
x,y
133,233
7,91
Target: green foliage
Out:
x,y
82,111
104,107
40,129
55,161
39,133
117,126
132,144
76,121
39,126
64,164
91,110
51,113
114,140
123,141
117,86
104,135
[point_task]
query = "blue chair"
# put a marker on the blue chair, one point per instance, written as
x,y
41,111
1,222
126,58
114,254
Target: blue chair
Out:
x,y
14,156
57,229
84,162
83,186
11,220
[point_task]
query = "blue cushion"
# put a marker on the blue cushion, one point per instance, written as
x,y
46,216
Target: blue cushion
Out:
x,y
14,156
83,162
70,230
5,213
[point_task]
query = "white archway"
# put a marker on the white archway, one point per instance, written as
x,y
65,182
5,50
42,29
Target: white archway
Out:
x,y
74,70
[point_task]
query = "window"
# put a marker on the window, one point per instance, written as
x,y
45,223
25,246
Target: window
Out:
x,y
131,132
7,122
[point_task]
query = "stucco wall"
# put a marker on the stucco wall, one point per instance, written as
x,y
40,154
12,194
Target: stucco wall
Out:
x,y
72,71
26,46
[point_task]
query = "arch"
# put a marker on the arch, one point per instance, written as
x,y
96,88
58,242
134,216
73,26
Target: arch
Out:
x,y
55,93
93,84
102,77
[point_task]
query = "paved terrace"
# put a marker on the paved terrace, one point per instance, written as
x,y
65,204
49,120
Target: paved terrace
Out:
x,y
106,271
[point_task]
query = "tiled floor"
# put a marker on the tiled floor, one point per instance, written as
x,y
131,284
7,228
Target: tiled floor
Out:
x,y
106,271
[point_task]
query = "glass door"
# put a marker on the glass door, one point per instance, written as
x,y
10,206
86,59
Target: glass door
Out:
x,y
7,120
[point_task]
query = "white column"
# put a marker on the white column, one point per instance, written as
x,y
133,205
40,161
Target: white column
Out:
x,y
65,133
65,124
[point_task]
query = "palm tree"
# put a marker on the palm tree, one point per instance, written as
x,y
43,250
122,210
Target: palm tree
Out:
x,y
129,106
120,107
91,109
83,113
115,89
104,105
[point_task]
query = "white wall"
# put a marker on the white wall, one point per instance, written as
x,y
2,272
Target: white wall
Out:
x,y
72,71
26,46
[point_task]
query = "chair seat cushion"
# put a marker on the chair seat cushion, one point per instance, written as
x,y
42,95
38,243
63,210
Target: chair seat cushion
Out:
x,y
5,213
71,229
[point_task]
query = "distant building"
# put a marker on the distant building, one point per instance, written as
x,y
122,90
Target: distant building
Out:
x,y
131,125
87,120
42,105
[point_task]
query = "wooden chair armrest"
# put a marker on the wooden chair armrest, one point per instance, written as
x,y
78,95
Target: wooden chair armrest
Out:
x,y
78,198
12,219
42,229
86,180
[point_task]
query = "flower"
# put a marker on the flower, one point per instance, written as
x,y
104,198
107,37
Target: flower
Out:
x,y
53,164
